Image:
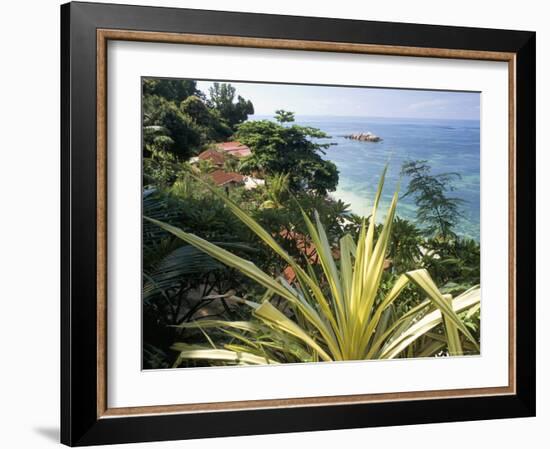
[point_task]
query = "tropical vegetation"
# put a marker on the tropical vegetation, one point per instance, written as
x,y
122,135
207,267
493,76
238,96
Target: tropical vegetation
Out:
x,y
282,272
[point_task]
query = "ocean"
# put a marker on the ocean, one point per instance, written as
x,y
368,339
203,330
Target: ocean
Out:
x,y
447,145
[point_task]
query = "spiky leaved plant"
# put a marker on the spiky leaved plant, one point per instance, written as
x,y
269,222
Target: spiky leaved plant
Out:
x,y
339,315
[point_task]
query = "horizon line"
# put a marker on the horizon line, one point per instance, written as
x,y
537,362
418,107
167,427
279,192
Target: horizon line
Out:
x,y
372,116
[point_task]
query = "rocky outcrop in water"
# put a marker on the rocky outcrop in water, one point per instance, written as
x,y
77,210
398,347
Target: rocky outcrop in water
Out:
x,y
364,137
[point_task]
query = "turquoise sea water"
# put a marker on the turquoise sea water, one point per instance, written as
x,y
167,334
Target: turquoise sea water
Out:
x,y
447,145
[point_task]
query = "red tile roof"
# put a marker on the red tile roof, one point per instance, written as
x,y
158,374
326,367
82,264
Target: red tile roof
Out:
x,y
234,148
302,244
222,178
216,157
308,249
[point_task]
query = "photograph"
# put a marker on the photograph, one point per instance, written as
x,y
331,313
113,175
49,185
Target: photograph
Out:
x,y
296,223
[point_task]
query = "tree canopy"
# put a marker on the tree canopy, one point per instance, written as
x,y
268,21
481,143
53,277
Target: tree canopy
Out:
x,y
177,117
290,150
167,128
171,90
222,98
437,211
283,116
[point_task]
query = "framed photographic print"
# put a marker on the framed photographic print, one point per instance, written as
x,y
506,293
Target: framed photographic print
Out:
x,y
280,224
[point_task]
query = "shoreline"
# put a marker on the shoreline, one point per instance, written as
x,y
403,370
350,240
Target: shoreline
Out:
x,y
362,206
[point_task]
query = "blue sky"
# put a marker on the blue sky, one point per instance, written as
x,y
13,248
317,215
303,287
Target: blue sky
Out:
x,y
357,101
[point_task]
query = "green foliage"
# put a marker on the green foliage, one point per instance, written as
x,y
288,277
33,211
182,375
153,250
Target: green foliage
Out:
x,y
343,314
222,98
290,150
276,189
177,277
161,169
191,289
177,117
283,116
405,245
167,128
205,166
208,120
188,204
435,209
455,263
231,164
288,215
173,90
156,138
195,108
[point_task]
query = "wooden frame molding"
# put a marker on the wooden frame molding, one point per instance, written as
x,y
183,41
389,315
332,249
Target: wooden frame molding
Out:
x,y
105,35
290,44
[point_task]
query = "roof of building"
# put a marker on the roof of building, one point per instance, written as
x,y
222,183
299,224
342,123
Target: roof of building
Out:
x,y
234,148
222,178
308,249
212,155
